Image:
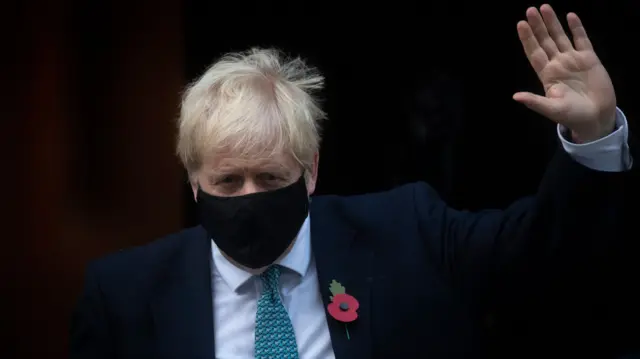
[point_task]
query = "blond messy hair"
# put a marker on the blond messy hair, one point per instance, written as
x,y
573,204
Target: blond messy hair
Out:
x,y
254,103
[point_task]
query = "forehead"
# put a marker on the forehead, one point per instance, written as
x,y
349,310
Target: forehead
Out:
x,y
228,162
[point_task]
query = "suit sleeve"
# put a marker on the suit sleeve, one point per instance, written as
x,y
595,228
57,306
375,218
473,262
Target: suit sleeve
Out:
x,y
576,213
90,337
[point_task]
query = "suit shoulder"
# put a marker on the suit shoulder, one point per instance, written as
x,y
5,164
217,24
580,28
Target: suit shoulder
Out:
x,y
398,195
383,205
141,258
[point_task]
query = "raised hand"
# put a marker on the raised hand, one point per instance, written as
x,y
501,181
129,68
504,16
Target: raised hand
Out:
x,y
578,91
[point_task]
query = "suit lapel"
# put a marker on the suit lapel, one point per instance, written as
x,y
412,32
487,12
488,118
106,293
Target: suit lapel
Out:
x,y
342,254
183,307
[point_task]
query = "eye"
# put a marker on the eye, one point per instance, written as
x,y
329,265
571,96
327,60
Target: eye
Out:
x,y
270,177
225,180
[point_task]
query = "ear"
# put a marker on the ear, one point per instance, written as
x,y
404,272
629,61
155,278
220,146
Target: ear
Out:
x,y
313,175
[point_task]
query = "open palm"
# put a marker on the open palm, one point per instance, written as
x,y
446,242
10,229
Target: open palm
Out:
x,y
578,91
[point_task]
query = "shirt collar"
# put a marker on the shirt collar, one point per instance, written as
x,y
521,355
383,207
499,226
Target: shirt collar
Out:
x,y
297,260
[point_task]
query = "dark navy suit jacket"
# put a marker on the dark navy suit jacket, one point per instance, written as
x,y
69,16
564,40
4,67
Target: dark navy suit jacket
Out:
x,y
424,273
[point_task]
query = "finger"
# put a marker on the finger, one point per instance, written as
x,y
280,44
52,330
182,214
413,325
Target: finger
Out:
x,y
580,38
537,56
540,31
546,107
555,28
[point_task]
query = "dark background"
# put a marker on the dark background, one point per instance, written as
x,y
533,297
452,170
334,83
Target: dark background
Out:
x,y
415,91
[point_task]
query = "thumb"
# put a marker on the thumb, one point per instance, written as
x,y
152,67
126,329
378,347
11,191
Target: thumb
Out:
x,y
546,107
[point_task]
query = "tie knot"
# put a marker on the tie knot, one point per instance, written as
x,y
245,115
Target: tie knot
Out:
x,y
270,279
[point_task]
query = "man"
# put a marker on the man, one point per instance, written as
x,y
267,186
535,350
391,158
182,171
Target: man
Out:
x,y
272,274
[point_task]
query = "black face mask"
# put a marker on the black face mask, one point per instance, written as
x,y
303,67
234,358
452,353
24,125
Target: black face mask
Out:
x,y
255,229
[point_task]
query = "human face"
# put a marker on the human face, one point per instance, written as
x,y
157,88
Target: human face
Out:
x,y
226,176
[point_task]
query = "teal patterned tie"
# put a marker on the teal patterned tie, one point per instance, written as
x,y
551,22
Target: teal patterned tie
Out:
x,y
275,338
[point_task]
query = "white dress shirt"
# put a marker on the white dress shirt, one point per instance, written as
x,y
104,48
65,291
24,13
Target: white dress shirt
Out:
x,y
236,297
237,292
608,154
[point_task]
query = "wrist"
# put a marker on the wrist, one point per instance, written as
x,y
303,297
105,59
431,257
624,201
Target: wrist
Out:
x,y
594,133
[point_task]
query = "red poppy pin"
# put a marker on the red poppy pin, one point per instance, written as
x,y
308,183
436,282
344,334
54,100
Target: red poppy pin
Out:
x,y
343,307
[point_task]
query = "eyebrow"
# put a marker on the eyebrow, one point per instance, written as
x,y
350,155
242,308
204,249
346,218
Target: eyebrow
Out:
x,y
265,168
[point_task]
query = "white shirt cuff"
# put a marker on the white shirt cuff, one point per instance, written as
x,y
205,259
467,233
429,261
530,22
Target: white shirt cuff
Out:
x,y
608,154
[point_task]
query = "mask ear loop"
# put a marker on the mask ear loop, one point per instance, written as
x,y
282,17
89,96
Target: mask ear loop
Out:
x,y
199,189
304,177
